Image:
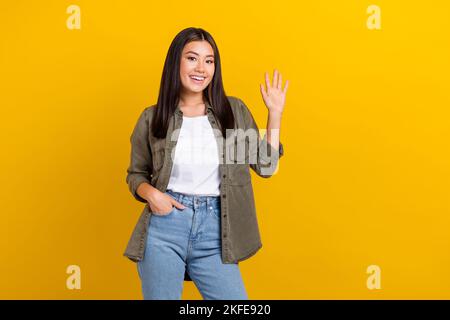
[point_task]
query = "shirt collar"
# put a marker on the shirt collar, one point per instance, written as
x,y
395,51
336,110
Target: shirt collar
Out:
x,y
208,108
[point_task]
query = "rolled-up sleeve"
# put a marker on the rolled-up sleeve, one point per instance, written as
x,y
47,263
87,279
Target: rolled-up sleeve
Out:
x,y
266,164
140,167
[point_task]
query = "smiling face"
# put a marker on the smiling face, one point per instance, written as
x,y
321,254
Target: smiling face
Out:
x,y
196,66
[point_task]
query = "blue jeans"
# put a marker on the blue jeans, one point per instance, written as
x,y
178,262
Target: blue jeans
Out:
x,y
188,239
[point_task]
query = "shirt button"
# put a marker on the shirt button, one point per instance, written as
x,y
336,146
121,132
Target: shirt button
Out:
x,y
224,196
224,175
225,235
224,215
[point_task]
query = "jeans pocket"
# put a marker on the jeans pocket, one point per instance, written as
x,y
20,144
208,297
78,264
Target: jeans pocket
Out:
x,y
164,214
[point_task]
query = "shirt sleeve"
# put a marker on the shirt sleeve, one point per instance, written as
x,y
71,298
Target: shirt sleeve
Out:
x,y
140,167
267,156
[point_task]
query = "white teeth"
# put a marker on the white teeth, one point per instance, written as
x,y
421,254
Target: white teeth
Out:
x,y
197,78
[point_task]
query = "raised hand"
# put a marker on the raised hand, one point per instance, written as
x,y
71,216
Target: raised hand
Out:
x,y
274,97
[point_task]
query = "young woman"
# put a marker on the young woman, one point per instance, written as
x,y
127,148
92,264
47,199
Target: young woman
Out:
x,y
200,219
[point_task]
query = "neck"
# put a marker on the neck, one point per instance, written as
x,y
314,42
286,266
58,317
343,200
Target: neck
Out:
x,y
191,98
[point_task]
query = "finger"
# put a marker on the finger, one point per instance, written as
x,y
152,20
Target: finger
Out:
x,y
178,205
275,78
280,81
267,81
286,86
263,93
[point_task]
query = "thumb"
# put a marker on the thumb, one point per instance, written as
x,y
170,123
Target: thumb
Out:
x,y
178,205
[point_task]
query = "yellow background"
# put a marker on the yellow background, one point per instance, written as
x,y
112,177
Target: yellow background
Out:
x,y
365,176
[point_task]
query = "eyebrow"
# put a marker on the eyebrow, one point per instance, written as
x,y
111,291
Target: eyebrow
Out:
x,y
209,55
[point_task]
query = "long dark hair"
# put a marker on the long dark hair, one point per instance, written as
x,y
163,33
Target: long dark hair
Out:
x,y
169,91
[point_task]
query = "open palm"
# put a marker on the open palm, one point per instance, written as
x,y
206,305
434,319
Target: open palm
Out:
x,y
274,97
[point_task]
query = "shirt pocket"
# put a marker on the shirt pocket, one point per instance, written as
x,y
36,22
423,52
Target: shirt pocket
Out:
x,y
158,154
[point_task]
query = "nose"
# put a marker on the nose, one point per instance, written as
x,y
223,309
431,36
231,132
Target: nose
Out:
x,y
199,68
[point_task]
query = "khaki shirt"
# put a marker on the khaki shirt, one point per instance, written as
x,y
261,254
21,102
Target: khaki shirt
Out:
x,y
151,162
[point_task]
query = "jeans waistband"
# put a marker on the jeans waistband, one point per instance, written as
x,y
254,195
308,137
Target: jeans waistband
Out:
x,y
190,199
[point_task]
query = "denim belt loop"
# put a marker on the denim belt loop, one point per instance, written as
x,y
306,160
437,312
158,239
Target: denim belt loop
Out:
x,y
196,201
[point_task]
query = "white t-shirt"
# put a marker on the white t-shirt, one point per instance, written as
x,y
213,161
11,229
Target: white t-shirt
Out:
x,y
196,162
